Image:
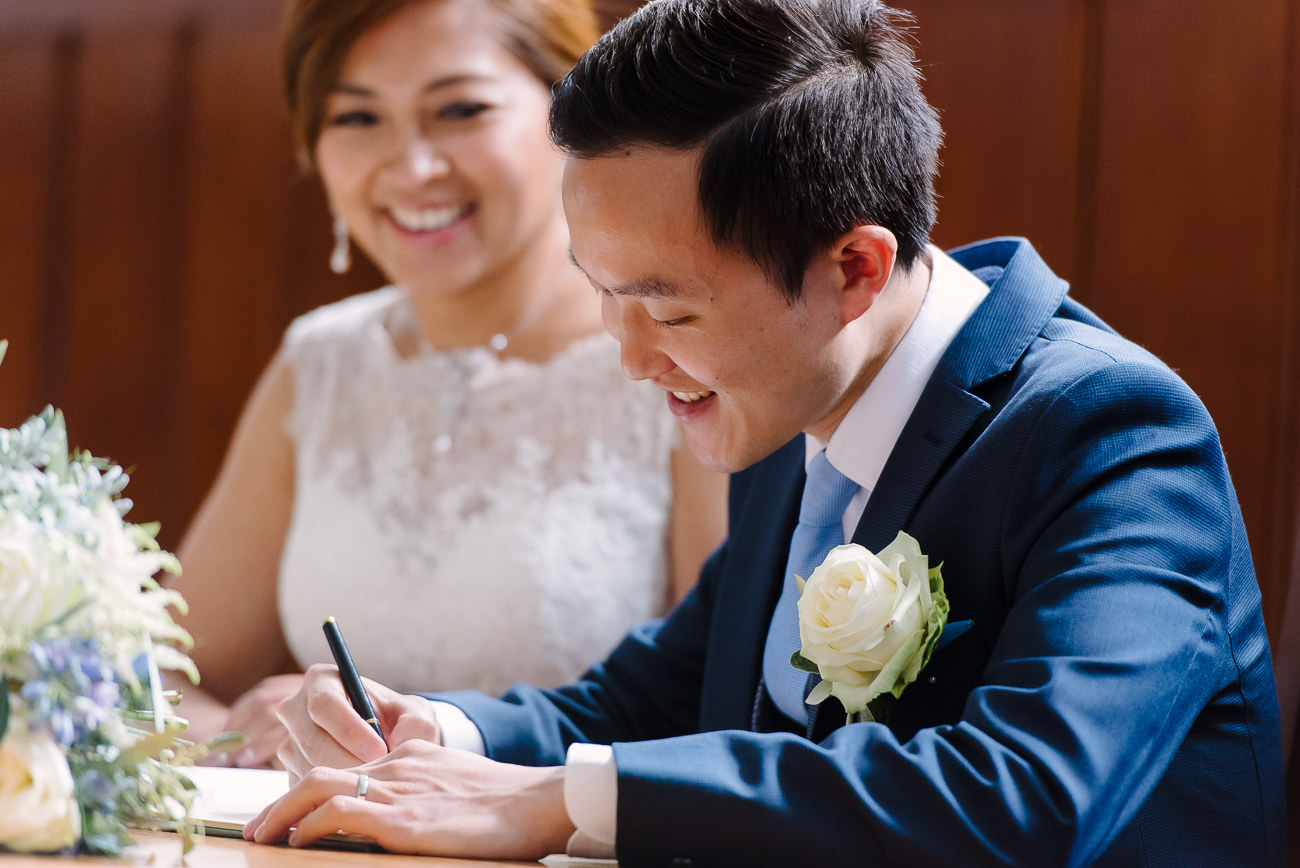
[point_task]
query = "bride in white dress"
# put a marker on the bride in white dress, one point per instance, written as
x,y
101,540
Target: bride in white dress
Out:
x,y
454,465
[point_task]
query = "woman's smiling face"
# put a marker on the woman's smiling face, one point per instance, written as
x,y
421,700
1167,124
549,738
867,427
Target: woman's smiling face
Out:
x,y
434,149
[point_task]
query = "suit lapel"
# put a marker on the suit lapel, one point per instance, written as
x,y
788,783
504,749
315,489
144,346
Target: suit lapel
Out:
x,y
942,417
759,547
1021,301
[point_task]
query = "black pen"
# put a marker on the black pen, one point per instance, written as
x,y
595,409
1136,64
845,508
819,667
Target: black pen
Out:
x,y
348,674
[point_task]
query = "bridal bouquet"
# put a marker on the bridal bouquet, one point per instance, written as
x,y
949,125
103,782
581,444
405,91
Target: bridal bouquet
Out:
x,y
88,743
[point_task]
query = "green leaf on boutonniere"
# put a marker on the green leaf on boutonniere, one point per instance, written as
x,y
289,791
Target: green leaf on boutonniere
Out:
x,y
935,622
903,664
797,660
802,663
878,709
4,687
938,615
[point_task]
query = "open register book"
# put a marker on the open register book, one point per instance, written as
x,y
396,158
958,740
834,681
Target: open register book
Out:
x,y
228,798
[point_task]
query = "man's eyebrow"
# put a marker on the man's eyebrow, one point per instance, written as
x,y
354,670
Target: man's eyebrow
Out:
x,y
645,287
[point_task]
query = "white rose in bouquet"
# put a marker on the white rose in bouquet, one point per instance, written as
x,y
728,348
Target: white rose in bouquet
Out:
x,y
38,810
36,585
868,623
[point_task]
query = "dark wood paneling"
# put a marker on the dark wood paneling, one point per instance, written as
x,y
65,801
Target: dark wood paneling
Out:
x,y
1286,446
1187,248
1008,81
23,20
30,103
238,185
124,251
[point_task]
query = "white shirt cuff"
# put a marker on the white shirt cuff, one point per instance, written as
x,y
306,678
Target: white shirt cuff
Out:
x,y
591,799
458,731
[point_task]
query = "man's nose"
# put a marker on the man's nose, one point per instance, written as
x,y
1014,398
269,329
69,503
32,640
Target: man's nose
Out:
x,y
639,352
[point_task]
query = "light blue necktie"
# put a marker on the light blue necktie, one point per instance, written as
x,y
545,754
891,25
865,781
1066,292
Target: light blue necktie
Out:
x,y
826,495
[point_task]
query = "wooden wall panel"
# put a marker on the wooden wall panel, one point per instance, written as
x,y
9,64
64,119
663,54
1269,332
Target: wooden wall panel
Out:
x,y
124,252
1286,445
26,19
1186,248
238,226
30,103
1008,82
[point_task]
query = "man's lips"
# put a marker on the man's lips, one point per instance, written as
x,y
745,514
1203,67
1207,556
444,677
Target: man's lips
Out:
x,y
691,405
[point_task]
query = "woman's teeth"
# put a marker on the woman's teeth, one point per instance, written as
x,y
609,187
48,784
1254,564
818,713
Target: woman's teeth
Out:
x,y
691,397
427,219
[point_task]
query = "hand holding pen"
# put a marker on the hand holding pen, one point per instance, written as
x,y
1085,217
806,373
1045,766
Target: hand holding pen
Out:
x,y
327,726
348,674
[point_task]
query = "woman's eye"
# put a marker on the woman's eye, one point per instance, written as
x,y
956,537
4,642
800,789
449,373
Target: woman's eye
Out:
x,y
462,110
353,119
681,320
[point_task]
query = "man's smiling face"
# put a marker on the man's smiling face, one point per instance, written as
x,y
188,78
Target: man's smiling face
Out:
x,y
743,370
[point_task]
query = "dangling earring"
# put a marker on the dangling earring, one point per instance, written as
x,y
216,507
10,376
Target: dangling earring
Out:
x,y
341,255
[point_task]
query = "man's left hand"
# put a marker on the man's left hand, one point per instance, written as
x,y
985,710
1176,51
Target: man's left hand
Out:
x,y
423,798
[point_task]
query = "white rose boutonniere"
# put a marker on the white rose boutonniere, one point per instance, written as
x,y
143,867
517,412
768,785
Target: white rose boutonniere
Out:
x,y
869,622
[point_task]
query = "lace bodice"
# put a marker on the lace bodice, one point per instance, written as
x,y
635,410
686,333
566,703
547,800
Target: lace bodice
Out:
x,y
472,521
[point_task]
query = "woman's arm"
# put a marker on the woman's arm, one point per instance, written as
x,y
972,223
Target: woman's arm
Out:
x,y
698,522
230,557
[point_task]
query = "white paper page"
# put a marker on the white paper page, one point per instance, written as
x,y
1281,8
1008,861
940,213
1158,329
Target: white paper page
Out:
x,y
235,796
229,798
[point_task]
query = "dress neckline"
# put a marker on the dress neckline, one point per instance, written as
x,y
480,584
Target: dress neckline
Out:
x,y
478,357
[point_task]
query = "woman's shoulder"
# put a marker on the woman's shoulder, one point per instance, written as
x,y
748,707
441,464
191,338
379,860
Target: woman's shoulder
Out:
x,y
350,316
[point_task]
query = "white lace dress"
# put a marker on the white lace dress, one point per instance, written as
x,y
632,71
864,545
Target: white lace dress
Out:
x,y
471,521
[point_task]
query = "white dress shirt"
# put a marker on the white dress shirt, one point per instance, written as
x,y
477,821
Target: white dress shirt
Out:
x,y
859,449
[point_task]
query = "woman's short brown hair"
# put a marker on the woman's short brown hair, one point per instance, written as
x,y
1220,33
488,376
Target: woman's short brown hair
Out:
x,y
547,36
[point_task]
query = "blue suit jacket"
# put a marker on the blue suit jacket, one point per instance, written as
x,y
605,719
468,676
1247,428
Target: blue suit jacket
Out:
x,y
1111,703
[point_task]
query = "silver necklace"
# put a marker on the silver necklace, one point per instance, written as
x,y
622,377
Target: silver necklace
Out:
x,y
460,366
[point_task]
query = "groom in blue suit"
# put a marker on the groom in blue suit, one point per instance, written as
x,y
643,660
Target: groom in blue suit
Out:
x,y
749,189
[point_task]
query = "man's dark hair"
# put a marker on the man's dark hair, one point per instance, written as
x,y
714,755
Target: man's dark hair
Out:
x,y
808,113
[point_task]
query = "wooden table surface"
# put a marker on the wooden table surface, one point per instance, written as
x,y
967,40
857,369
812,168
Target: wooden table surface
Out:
x,y
163,850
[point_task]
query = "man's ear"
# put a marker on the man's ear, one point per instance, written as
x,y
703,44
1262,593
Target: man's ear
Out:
x,y
865,256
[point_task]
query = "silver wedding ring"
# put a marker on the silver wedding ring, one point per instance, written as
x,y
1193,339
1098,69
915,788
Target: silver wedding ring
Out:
x,y
363,785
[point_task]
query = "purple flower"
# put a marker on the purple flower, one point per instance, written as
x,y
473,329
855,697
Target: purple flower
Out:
x,y
76,690
61,727
105,695
96,790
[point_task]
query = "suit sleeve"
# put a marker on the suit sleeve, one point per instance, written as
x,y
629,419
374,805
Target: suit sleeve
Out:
x,y
1119,535
648,688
